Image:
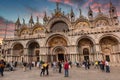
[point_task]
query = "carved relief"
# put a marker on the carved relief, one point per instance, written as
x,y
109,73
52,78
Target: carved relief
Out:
x,y
25,32
57,41
82,24
37,30
107,45
101,23
85,43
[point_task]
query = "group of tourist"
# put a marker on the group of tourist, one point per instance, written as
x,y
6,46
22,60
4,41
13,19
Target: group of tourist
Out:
x,y
57,66
103,65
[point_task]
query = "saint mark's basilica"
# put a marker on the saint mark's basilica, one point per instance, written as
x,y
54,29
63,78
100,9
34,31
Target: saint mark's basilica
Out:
x,y
63,36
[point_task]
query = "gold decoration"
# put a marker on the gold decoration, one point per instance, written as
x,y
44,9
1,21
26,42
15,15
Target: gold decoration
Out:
x,y
57,41
82,24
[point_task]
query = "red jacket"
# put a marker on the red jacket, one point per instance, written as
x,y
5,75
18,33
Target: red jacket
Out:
x,y
66,65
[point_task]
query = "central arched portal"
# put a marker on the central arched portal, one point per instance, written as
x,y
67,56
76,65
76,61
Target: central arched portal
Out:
x,y
57,48
60,53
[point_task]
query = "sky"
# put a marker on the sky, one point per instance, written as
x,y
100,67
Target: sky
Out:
x,y
10,10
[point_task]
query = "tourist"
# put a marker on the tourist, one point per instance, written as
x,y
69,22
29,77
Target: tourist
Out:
x,y
30,65
60,66
85,64
66,68
2,66
38,65
103,65
46,68
96,65
24,66
42,69
88,64
54,66
107,66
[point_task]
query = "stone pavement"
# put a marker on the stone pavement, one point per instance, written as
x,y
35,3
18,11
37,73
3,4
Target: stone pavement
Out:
x,y
75,74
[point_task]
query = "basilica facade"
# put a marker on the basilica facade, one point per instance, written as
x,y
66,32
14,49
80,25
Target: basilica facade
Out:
x,y
65,37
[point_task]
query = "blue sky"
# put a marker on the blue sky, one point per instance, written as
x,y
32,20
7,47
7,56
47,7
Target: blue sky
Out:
x,y
10,10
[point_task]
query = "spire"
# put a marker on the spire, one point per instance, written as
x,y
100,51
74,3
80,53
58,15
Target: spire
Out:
x,y
90,9
37,19
17,23
45,19
23,21
57,10
111,3
99,9
80,12
57,5
90,13
31,20
72,13
113,14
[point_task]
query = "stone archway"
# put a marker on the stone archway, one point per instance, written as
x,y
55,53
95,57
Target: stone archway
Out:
x,y
109,47
33,51
59,52
18,52
56,45
86,49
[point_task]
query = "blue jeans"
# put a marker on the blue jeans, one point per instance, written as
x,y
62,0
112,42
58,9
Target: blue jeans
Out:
x,y
1,71
107,69
66,73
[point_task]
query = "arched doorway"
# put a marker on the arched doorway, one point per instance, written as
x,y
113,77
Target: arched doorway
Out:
x,y
86,54
59,52
33,51
18,52
109,47
86,49
56,51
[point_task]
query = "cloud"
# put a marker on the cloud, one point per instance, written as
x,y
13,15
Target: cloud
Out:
x,y
74,3
118,13
10,27
55,0
86,4
4,21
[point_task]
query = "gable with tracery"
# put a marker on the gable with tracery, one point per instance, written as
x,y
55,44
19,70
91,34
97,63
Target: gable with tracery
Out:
x,y
37,30
101,22
24,32
82,24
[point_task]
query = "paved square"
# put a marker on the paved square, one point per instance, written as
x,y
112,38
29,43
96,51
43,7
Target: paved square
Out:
x,y
75,74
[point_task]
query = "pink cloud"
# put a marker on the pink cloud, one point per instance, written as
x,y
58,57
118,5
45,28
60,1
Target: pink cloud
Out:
x,y
104,7
118,13
55,0
68,2
39,14
87,3
10,28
